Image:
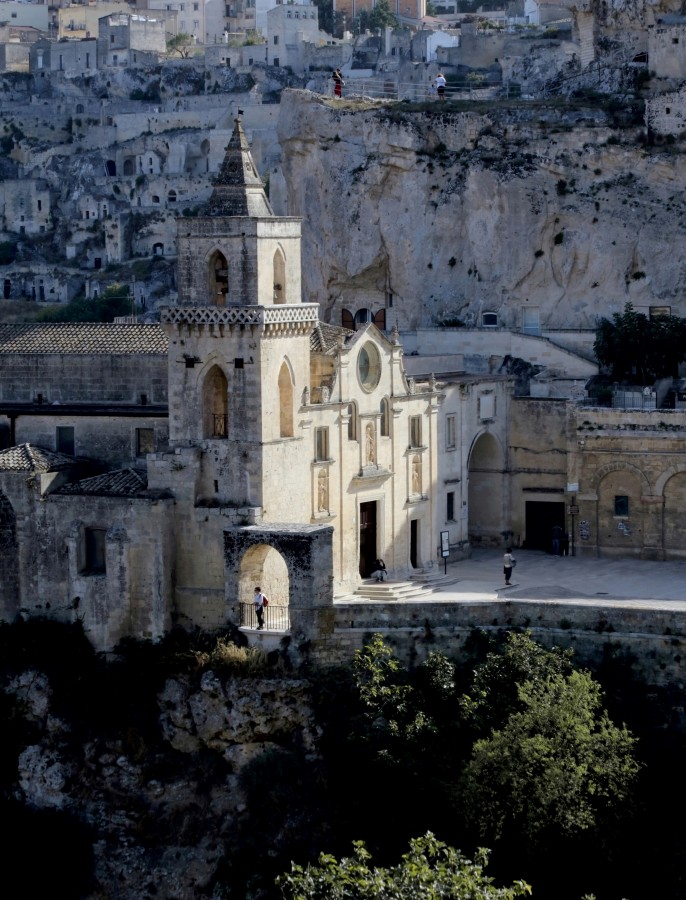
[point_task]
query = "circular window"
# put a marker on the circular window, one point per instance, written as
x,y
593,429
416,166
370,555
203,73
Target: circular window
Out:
x,y
369,367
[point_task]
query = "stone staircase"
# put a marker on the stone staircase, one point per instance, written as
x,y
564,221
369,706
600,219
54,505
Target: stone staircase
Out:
x,y
420,584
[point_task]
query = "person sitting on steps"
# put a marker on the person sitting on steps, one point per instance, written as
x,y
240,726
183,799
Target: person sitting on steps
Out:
x,y
379,572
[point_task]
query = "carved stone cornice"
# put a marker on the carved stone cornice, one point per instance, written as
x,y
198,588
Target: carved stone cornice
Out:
x,y
299,318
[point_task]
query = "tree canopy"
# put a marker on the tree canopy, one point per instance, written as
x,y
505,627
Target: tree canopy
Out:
x,y
429,871
182,44
381,16
640,349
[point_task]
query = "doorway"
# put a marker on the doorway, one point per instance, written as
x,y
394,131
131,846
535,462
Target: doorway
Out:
x,y
541,518
414,543
367,538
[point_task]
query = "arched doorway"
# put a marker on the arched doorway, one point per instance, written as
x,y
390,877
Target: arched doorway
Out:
x,y
219,278
9,565
215,404
263,566
111,167
486,464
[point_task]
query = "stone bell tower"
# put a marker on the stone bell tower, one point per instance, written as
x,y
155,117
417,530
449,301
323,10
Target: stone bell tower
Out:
x,y
239,345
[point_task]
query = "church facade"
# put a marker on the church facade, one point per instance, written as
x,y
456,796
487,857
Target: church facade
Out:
x,y
153,475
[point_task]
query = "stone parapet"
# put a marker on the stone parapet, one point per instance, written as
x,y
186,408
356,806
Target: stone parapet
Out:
x,y
300,317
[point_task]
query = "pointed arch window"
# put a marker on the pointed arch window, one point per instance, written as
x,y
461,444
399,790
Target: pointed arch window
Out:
x,y
352,422
219,279
279,277
215,405
285,402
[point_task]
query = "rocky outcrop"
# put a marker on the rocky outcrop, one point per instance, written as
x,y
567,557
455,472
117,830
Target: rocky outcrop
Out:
x,y
563,210
162,813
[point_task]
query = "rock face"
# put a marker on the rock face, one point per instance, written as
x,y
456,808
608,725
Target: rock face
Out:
x,y
163,813
532,212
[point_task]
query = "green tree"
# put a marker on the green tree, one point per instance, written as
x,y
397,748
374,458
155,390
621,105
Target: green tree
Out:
x,y
429,871
326,15
182,44
494,692
381,16
113,302
557,768
632,346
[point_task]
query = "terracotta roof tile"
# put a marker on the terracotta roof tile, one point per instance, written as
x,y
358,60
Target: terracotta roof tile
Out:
x,y
123,483
28,458
83,338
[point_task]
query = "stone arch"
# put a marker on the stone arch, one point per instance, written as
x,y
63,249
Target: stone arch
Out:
x,y
129,167
279,276
9,561
264,566
363,317
602,471
620,534
111,167
157,248
674,502
307,551
218,270
215,404
486,490
285,400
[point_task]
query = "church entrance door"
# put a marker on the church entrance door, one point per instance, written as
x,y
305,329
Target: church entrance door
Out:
x,y
368,551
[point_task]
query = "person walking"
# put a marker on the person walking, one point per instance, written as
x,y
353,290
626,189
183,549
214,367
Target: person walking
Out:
x,y
337,83
440,85
259,601
509,563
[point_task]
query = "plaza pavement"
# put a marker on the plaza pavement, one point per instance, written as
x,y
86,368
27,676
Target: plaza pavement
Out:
x,y
541,576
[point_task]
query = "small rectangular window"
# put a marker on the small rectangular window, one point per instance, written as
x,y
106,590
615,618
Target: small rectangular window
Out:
x,y
276,39
621,505
238,362
145,441
415,431
94,562
450,506
321,444
450,432
487,406
64,439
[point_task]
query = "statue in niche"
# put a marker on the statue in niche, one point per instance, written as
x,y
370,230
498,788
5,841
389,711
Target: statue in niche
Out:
x,y
306,397
323,491
411,385
416,475
325,394
370,441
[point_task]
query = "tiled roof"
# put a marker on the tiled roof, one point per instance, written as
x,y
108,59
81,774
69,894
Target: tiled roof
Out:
x,y
83,338
325,338
28,458
123,483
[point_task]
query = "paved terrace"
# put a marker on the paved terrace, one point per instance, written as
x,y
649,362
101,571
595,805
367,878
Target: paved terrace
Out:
x,y
541,576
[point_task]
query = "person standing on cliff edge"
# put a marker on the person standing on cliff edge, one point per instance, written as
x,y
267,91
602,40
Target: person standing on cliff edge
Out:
x,y
337,83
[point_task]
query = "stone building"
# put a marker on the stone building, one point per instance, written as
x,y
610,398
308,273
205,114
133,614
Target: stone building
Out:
x,y
152,476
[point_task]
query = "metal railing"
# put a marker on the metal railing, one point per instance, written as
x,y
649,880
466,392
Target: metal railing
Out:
x,y
379,88
276,618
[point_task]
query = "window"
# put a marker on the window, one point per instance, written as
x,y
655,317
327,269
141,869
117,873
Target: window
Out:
x,y
489,320
450,432
94,552
352,422
369,367
64,439
145,441
621,505
415,431
276,61
531,320
321,444
40,205
385,424
487,406
276,39
450,506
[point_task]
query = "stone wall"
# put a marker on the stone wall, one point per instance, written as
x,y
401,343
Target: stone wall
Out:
x,y
651,640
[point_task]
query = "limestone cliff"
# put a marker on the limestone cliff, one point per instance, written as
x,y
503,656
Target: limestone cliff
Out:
x,y
564,209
